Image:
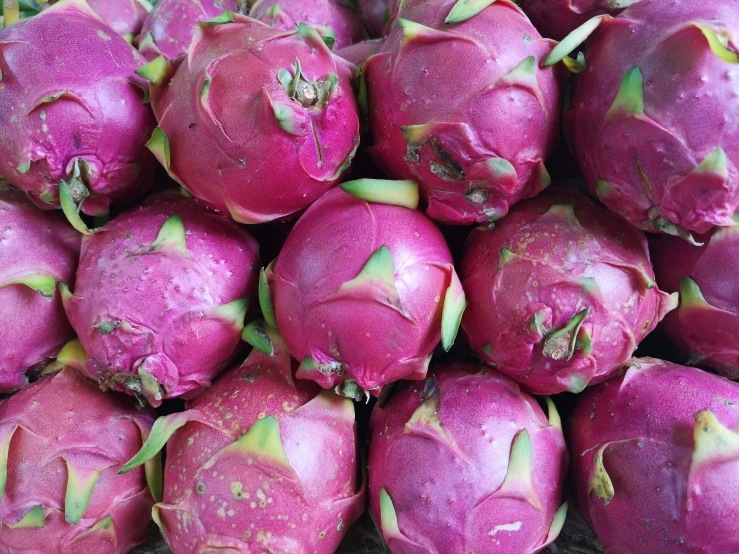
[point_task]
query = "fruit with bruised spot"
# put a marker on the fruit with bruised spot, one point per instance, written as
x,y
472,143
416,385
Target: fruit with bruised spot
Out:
x,y
168,29
62,440
706,325
364,288
656,460
37,250
68,137
161,296
651,120
450,82
466,463
261,148
258,462
334,20
561,293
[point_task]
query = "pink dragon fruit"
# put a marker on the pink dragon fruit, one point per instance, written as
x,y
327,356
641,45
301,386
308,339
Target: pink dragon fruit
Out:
x,y
363,288
261,148
161,296
373,13
651,119
656,460
63,441
451,81
125,17
561,293
706,326
357,53
168,29
333,20
37,250
558,18
275,460
80,127
468,463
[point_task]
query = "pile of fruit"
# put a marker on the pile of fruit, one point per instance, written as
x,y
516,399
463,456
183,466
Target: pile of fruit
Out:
x,y
265,266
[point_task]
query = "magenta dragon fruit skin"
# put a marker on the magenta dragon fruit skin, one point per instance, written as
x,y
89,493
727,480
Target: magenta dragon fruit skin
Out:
x,y
85,128
260,462
357,53
706,325
561,292
169,27
448,126
331,18
652,119
468,463
655,460
362,293
261,148
161,296
373,14
125,17
558,18
63,443
37,250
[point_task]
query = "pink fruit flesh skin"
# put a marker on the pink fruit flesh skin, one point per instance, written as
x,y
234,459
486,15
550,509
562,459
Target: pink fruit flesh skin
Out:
x,y
668,477
35,327
171,308
451,474
560,293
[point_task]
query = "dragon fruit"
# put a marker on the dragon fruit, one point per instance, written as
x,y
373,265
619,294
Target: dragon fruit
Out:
x,y
261,148
451,81
63,441
125,17
275,459
37,250
561,293
357,53
373,14
81,131
652,119
558,18
468,463
161,296
334,21
363,288
706,326
168,29
656,460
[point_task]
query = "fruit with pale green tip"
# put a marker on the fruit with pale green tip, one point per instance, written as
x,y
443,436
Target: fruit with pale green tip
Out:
x,y
168,29
658,80
73,136
37,251
333,19
260,462
62,442
655,463
364,288
561,292
558,18
458,101
466,463
261,148
706,325
161,296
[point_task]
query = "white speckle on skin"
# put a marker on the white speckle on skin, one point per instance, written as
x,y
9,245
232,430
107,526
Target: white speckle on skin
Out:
x,y
505,527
